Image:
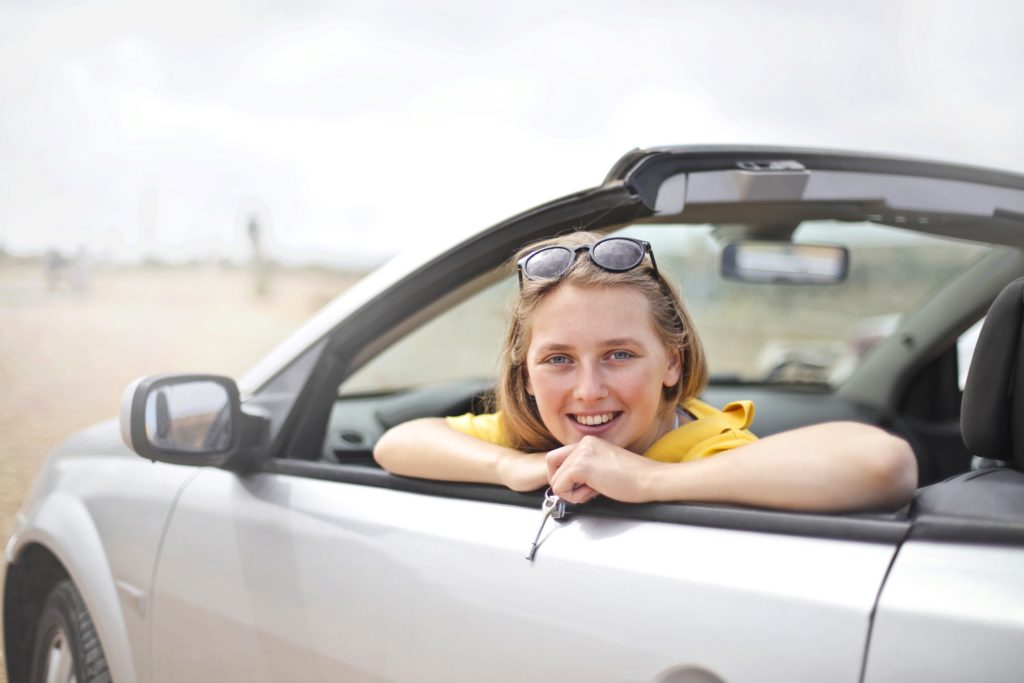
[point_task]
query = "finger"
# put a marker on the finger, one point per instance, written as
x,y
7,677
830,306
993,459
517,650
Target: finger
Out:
x,y
584,494
569,484
581,494
555,458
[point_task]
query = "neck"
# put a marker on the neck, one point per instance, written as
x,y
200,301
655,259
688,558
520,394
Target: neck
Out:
x,y
666,423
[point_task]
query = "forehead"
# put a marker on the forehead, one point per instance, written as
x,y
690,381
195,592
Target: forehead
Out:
x,y
571,314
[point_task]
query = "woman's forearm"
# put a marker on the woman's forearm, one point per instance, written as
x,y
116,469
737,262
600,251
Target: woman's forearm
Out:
x,y
430,449
835,467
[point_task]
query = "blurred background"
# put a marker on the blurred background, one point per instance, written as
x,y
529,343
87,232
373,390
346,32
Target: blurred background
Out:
x,y
181,184
139,130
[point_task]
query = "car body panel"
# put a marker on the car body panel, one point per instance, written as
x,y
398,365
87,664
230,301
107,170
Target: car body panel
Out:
x,y
63,525
101,510
272,576
950,612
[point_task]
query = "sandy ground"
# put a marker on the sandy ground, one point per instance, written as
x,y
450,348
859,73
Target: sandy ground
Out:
x,y
65,357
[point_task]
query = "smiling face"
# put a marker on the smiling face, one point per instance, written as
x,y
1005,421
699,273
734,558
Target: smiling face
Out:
x,y
596,365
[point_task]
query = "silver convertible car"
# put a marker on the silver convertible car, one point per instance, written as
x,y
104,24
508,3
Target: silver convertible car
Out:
x,y
255,539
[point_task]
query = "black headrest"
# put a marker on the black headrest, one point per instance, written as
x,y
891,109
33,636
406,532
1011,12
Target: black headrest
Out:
x,y
992,413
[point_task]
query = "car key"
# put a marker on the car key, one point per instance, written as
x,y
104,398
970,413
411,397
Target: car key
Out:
x,y
553,506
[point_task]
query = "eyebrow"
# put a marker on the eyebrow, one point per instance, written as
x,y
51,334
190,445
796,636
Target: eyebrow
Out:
x,y
622,341
618,341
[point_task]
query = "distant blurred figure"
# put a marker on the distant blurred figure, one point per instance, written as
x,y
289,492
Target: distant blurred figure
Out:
x,y
73,273
55,268
260,266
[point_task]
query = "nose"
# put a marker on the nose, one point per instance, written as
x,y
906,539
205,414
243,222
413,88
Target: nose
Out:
x,y
590,384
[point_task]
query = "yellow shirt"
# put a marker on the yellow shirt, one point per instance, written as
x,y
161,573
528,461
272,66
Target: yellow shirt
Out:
x,y
712,431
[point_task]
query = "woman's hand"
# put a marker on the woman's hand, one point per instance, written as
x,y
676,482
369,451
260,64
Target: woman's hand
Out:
x,y
581,471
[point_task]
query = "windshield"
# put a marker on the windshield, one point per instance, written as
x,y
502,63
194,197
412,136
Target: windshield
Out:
x,y
768,332
752,333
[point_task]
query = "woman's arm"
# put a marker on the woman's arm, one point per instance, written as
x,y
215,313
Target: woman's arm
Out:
x,y
834,467
430,449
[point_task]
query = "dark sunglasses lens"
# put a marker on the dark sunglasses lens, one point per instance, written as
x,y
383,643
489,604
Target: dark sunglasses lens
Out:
x,y
617,254
548,263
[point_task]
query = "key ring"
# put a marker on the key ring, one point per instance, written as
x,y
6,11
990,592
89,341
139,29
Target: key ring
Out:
x,y
554,503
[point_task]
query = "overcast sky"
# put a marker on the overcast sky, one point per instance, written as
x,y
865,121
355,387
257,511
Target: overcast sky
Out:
x,y
354,128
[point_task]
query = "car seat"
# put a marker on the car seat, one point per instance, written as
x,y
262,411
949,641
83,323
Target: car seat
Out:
x,y
991,425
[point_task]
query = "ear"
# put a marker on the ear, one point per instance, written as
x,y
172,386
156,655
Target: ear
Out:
x,y
674,369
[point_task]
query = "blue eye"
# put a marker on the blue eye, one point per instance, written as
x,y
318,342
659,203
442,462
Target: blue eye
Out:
x,y
621,355
557,359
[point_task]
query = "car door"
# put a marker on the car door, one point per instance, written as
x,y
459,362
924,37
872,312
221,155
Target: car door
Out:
x,y
281,576
952,609
271,578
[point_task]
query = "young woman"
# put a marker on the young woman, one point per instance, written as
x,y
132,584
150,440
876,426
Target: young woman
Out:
x,y
600,375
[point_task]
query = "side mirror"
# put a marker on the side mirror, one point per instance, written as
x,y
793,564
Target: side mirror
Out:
x,y
785,263
189,420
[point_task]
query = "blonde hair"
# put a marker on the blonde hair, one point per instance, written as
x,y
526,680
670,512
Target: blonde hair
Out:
x,y
523,426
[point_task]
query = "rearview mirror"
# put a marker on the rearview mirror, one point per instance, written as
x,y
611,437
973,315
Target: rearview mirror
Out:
x,y
785,263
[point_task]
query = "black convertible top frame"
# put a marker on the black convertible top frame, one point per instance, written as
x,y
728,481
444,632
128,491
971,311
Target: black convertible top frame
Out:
x,y
643,171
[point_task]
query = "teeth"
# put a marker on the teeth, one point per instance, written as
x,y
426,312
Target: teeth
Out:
x,y
591,420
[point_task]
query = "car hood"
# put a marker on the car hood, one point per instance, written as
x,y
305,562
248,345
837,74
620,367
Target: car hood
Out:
x,y
102,438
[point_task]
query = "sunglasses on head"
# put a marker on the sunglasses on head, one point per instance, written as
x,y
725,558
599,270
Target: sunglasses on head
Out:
x,y
614,254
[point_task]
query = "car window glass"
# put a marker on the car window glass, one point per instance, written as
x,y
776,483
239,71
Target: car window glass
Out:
x,y
461,343
278,395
